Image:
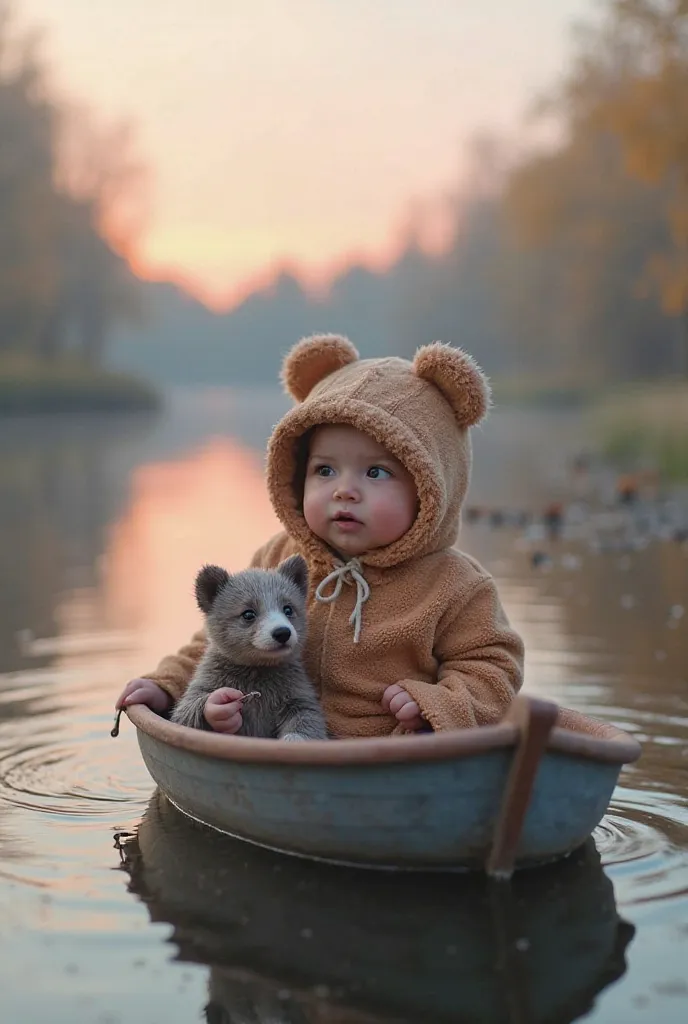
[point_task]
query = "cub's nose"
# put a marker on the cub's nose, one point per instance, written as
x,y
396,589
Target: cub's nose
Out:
x,y
282,634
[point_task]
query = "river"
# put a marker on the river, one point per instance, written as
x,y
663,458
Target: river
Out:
x,y
104,523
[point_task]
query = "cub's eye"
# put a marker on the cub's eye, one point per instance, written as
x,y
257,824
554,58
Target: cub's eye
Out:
x,y
249,615
288,610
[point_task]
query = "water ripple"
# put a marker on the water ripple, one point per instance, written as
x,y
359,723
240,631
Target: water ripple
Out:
x,y
65,765
644,850
60,779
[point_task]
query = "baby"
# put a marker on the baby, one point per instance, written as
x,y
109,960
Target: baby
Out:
x,y
368,473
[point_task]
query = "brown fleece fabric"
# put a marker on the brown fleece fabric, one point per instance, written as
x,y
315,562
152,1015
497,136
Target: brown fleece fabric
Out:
x,y
433,622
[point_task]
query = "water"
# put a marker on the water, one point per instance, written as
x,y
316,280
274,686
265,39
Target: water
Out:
x,y
102,528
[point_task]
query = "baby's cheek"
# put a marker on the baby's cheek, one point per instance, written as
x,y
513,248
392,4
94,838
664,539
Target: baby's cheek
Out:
x,y
393,514
312,508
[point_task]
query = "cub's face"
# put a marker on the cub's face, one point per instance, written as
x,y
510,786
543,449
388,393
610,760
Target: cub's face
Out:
x,y
255,617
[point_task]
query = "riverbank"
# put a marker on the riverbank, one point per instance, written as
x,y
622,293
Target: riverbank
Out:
x,y
646,423
542,393
29,387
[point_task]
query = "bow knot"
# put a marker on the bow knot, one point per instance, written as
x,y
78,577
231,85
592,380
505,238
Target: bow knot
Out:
x,y
350,573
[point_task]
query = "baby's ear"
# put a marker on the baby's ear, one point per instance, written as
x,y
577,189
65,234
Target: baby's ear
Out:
x,y
312,359
296,570
458,377
209,581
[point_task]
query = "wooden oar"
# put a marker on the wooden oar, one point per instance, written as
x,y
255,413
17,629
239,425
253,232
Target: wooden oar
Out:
x,y
534,718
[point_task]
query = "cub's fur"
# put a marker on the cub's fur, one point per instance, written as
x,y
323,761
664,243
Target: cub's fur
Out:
x,y
256,624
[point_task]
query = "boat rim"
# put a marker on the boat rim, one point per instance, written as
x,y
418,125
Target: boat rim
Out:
x,y
595,740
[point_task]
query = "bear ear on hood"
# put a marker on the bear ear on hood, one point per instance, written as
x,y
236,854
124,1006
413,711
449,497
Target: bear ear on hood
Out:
x,y
458,377
314,358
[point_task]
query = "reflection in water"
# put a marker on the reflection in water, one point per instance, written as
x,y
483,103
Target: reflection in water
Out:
x,y
103,529
210,507
62,488
427,948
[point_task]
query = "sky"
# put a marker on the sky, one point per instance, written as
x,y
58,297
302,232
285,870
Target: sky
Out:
x,y
297,132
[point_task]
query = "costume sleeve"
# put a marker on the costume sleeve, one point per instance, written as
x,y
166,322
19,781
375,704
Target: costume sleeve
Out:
x,y
174,672
480,664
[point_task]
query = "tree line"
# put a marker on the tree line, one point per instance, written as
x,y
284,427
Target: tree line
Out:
x,y
68,213
568,261
571,260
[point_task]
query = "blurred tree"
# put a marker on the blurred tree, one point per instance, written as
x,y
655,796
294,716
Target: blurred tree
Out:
x,y
630,79
99,186
28,283
589,230
70,212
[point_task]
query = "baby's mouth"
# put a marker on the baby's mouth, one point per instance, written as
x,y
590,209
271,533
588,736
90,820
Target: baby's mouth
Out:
x,y
346,517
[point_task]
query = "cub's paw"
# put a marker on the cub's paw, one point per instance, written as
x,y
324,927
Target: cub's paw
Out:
x,y
294,737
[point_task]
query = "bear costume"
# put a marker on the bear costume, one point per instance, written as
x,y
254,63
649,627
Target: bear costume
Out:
x,y
418,612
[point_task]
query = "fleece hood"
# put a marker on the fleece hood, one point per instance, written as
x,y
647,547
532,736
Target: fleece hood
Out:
x,y
421,411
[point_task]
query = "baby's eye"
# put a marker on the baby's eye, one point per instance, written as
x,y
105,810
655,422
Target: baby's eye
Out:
x,y
379,473
288,610
324,471
248,615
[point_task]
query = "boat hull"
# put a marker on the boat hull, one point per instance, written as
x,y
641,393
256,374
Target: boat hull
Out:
x,y
421,814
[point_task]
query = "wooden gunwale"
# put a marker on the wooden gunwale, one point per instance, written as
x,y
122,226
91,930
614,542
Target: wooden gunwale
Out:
x,y
603,742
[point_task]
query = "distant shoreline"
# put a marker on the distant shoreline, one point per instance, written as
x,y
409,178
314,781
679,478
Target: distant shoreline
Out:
x,y
646,423
32,388
643,422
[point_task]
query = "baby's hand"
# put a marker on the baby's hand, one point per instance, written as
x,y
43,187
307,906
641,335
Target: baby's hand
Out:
x,y
223,710
399,703
144,691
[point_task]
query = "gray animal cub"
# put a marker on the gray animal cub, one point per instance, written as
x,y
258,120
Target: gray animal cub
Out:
x,y
256,624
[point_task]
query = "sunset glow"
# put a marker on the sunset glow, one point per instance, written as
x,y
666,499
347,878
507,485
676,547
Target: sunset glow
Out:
x,y
211,507
297,131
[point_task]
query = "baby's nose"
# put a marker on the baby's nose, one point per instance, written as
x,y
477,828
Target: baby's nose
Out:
x,y
282,634
345,492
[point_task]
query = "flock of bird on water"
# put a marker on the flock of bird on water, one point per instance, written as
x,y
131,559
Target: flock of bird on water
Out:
x,y
606,512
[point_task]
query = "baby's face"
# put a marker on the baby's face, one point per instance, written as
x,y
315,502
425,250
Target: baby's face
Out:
x,y
357,497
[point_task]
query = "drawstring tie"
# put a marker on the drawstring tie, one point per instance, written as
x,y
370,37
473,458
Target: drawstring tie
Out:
x,y
350,573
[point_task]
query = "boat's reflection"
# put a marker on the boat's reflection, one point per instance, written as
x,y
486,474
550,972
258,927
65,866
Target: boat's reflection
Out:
x,y
293,941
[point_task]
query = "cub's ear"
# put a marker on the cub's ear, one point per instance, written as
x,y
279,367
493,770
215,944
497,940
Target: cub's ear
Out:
x,y
296,570
458,377
209,581
312,359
